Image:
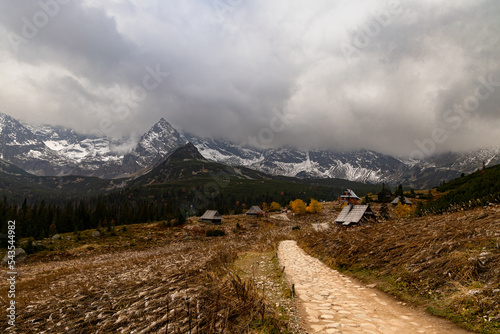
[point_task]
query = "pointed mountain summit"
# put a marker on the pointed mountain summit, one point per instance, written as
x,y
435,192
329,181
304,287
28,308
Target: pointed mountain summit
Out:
x,y
157,143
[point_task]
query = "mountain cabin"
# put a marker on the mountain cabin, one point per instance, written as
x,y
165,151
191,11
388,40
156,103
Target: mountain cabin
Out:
x,y
211,216
355,215
349,197
255,211
396,201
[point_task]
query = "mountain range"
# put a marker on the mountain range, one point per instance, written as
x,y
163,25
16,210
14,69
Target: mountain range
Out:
x,y
57,151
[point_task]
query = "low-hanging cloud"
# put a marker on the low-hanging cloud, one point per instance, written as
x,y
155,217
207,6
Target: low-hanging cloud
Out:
x,y
231,66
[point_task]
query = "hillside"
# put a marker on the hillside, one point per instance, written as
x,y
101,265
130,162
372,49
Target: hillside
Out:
x,y
152,278
478,188
447,263
157,276
16,184
204,184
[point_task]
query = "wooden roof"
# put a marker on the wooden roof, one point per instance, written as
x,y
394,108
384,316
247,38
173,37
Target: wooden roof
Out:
x,y
211,215
353,214
396,201
255,210
349,194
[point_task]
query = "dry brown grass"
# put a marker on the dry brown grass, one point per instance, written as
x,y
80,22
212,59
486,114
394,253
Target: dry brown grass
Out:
x,y
450,262
172,280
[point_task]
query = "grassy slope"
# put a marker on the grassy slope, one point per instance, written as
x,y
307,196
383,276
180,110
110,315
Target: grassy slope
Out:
x,y
185,168
16,184
449,263
472,190
140,277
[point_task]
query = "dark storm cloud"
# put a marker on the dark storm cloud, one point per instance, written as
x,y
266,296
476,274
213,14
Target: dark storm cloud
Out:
x,y
382,78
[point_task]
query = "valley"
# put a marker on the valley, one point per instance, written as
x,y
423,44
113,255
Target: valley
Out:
x,y
156,277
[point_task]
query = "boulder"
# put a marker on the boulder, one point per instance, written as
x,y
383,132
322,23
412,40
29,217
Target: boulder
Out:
x,y
96,234
19,256
56,237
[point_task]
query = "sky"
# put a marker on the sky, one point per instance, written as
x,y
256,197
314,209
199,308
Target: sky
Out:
x,y
406,78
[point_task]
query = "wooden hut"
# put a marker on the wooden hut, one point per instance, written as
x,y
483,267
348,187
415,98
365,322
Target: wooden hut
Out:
x,y
350,197
396,201
255,211
355,215
211,216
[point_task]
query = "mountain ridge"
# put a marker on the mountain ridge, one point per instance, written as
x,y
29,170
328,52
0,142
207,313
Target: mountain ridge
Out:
x,y
56,151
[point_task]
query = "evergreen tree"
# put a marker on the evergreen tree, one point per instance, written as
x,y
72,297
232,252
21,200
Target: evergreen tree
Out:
x,y
52,229
381,197
384,211
400,191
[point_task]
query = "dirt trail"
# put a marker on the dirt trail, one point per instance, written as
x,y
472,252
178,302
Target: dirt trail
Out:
x,y
333,303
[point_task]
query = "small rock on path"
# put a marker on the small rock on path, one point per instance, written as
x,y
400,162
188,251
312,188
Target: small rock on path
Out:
x,y
333,303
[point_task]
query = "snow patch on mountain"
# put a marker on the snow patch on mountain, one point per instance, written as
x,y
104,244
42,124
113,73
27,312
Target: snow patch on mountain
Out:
x,y
53,150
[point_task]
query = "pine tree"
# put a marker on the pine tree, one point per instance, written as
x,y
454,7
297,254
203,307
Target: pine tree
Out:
x,y
52,229
400,191
384,211
381,197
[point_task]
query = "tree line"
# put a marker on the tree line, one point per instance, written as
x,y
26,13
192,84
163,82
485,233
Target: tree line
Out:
x,y
140,205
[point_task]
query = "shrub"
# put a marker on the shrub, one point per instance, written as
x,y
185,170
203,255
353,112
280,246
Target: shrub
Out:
x,y
403,211
314,206
298,207
275,206
29,248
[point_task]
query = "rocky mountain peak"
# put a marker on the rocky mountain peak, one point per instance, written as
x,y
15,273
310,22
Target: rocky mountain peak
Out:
x,y
157,143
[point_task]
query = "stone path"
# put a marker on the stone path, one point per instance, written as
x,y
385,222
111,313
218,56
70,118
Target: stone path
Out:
x,y
331,303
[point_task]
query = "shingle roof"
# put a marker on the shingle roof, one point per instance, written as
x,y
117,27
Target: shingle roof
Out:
x,y
211,215
254,210
349,194
343,214
396,201
353,214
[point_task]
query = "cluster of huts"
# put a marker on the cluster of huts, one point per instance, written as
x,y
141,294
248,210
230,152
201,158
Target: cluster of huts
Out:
x,y
214,217
353,213
350,197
